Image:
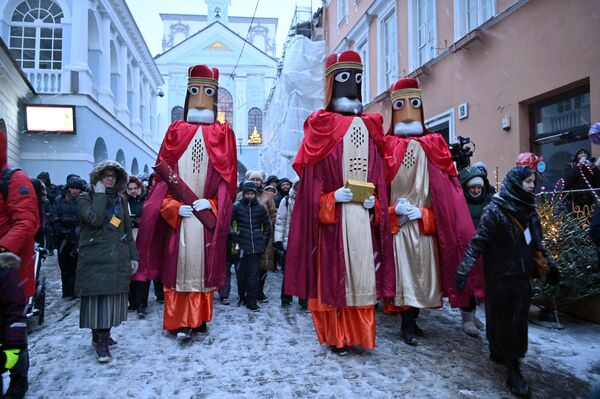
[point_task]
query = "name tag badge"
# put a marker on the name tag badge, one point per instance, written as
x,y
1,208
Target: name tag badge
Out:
x,y
527,234
115,221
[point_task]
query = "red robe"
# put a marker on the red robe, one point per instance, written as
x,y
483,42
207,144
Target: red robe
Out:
x,y
319,165
158,242
453,225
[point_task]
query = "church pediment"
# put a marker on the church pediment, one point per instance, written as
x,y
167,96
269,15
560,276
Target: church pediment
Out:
x,y
218,45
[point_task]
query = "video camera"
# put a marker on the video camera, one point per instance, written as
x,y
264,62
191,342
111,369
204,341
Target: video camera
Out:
x,y
462,152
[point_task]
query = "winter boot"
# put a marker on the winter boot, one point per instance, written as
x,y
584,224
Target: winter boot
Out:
x,y
253,307
339,351
102,352
468,323
515,381
17,388
202,328
141,312
184,334
111,342
409,327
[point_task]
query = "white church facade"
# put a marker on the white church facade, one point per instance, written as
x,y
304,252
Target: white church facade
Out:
x,y
88,56
247,70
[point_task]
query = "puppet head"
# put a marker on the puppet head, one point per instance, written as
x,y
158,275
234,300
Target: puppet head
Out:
x,y
407,108
343,83
201,96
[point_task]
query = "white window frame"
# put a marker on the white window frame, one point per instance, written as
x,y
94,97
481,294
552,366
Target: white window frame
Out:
x,y
342,11
446,116
461,27
362,48
413,34
383,16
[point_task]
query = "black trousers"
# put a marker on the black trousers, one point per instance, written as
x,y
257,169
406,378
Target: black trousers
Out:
x,y
138,294
507,310
158,289
248,278
67,261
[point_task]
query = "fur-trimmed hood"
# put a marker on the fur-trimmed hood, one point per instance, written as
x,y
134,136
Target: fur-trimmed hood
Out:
x,y
104,166
8,260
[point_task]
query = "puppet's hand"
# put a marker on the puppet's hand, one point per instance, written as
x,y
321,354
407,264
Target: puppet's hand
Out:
x,y
405,208
369,202
343,194
201,204
185,211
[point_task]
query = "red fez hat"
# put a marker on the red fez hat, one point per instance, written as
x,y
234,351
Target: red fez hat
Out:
x,y
405,87
202,74
347,59
528,159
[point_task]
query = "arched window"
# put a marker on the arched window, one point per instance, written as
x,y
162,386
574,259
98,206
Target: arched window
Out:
x,y
121,158
100,151
135,169
146,170
176,113
254,120
36,34
225,107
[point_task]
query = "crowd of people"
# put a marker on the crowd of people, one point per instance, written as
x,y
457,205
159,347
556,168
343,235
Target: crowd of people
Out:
x,y
413,238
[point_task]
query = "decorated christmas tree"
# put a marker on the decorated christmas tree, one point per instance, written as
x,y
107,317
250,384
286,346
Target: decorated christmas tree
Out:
x,y
566,238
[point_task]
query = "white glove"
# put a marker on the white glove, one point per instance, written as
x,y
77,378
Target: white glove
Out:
x,y
185,211
99,187
405,208
134,266
369,202
343,194
201,204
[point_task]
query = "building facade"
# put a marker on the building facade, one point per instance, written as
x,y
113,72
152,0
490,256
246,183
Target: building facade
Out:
x,y
90,55
512,75
246,72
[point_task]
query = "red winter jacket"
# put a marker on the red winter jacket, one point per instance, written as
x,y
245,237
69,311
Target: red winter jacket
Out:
x,y
19,221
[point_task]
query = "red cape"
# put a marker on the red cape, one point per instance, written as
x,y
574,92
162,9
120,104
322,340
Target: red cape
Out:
x,y
454,228
319,165
157,242
323,130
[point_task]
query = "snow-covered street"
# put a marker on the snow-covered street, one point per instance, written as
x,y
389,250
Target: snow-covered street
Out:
x,y
275,353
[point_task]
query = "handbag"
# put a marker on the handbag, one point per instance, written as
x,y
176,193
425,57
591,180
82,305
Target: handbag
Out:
x,y
541,263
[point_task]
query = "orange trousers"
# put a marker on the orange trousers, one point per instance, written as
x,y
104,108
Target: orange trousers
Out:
x,y
186,309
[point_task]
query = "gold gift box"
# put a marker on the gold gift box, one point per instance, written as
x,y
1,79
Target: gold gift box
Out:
x,y
361,190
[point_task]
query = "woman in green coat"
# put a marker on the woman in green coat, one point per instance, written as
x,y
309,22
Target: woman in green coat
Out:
x,y
107,255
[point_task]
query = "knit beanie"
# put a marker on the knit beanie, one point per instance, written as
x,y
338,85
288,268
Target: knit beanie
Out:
x,y
476,181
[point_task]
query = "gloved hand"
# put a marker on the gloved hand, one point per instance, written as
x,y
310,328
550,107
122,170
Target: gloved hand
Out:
x,y
343,194
369,202
461,281
201,204
8,358
278,245
405,208
134,266
99,187
553,277
185,211
8,260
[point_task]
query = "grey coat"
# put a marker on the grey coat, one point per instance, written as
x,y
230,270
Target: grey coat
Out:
x,y
105,252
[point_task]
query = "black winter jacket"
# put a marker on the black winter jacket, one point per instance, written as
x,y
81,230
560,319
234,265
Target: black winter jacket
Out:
x,y
253,226
502,244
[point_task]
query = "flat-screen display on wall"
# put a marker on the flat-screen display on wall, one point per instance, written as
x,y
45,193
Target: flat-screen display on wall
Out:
x,y
50,119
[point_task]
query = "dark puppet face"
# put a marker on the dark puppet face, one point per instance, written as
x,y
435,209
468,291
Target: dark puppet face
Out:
x,y
346,93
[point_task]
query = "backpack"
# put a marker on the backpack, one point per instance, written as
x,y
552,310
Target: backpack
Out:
x,y
5,180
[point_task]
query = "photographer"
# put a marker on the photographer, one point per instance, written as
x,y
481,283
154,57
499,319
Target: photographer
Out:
x,y
461,152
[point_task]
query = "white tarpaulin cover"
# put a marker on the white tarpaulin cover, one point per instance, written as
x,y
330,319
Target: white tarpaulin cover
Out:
x,y
296,94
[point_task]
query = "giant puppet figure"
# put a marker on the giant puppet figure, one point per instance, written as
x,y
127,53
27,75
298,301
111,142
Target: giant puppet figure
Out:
x,y
174,245
335,244
430,221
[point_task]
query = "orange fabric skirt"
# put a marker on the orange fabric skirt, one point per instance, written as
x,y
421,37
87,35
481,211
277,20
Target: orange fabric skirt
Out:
x,y
186,309
390,308
350,325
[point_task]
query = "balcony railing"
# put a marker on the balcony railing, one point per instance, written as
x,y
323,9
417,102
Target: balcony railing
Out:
x,y
45,80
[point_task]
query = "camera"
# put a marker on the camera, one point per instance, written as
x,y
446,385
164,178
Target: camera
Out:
x,y
462,151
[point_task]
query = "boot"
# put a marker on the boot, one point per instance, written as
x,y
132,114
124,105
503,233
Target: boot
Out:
x,y
515,381
339,351
468,323
184,334
408,327
17,388
141,313
102,352
111,342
